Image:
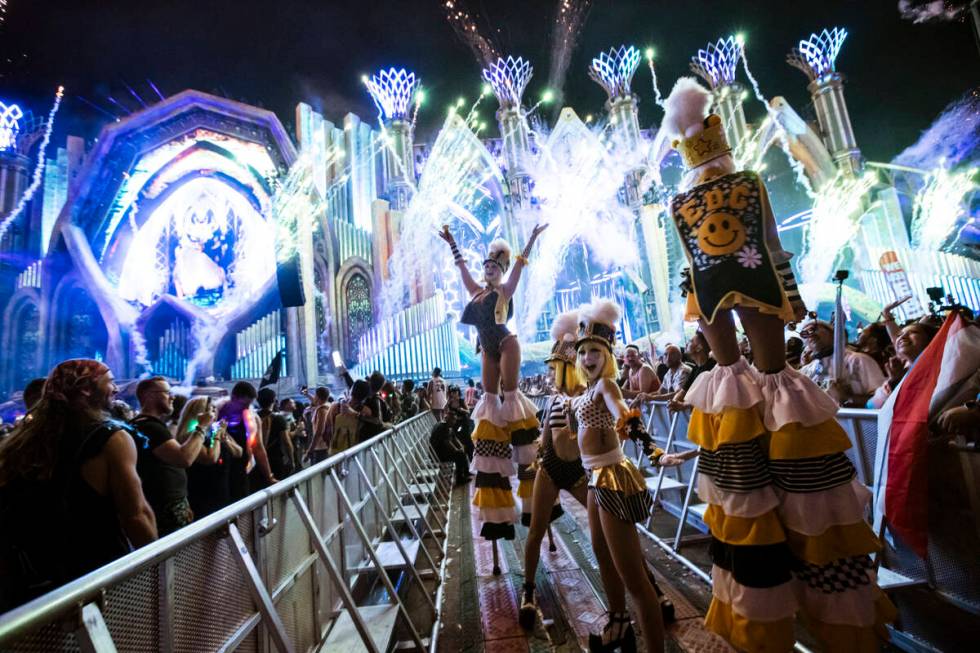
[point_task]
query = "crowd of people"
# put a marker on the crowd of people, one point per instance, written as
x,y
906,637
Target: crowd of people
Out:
x,y
874,363
116,474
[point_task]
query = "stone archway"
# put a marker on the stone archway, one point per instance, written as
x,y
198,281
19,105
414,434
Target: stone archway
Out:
x,y
77,327
22,339
358,312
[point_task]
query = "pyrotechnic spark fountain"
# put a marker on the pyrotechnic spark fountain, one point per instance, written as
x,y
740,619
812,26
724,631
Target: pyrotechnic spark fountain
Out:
x,y
939,205
657,97
453,183
38,168
577,183
465,27
296,202
569,19
836,210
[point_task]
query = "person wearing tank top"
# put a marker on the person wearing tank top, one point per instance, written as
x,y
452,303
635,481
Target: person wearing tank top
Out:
x,y
437,394
617,492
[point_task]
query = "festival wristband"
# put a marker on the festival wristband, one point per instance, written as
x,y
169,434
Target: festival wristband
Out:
x,y
522,258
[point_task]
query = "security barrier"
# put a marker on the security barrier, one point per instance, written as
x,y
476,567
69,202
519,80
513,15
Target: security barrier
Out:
x,y
946,580
346,555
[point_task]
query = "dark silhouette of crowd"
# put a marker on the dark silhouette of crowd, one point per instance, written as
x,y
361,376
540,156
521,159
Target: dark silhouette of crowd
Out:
x,y
84,464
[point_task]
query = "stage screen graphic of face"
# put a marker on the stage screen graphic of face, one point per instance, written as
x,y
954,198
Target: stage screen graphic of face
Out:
x,y
204,243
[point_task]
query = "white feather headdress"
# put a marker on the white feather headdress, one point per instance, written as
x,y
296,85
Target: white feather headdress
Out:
x,y
563,331
597,322
686,108
499,253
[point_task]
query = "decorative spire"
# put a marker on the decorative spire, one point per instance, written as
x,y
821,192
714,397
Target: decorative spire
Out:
x,y
817,55
392,91
717,62
614,70
508,78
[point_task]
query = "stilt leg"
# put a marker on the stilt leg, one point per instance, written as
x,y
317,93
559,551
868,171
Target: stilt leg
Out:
x,y
496,559
551,540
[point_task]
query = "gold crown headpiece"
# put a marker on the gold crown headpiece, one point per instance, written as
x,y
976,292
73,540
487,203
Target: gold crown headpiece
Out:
x,y
562,351
706,145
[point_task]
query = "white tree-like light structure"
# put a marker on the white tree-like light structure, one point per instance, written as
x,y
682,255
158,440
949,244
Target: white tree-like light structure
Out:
x,y
717,62
614,70
392,91
508,78
10,116
816,56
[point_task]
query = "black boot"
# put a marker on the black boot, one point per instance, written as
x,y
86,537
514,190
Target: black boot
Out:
x,y
621,635
529,613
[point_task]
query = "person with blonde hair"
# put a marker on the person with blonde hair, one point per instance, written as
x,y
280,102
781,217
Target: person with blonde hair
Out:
x,y
617,493
208,486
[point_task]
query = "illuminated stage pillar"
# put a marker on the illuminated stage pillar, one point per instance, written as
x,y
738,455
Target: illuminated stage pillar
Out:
x,y
395,92
14,169
717,64
508,78
728,103
816,58
400,164
614,71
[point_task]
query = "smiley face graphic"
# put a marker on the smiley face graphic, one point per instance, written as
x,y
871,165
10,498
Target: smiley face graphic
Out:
x,y
720,234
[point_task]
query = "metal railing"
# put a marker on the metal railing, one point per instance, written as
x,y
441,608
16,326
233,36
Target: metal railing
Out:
x,y
283,569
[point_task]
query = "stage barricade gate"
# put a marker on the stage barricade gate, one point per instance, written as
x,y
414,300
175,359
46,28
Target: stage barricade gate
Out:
x,y
289,568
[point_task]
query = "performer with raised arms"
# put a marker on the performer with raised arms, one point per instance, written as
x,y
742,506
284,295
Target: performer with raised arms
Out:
x,y
785,511
506,421
617,496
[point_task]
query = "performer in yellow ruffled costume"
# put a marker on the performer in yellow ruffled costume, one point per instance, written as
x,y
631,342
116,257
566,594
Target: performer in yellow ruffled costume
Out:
x,y
786,513
506,421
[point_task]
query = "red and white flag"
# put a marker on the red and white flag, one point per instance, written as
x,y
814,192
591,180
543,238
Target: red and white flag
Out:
x,y
901,462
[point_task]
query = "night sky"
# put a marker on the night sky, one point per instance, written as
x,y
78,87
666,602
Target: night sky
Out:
x,y
275,54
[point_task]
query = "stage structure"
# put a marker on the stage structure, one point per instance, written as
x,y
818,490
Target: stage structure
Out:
x,y
196,238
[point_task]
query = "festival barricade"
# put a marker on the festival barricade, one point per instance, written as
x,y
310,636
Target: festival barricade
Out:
x,y
349,554
675,495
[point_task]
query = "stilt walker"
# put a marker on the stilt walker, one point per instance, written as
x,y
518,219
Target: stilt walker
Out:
x,y
785,511
506,420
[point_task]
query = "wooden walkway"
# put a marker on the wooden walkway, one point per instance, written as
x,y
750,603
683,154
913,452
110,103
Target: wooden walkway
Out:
x,y
480,609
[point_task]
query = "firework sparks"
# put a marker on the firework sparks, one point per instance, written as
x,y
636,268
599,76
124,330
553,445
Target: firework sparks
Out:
x,y
466,29
939,205
570,17
657,97
38,168
834,223
453,184
577,180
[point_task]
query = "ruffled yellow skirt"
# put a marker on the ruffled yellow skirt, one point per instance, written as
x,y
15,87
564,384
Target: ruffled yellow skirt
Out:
x,y
621,490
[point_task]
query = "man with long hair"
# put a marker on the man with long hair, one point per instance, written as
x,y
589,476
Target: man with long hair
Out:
x,y
68,470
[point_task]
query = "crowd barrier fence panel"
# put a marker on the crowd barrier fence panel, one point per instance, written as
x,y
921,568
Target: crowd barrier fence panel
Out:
x,y
251,577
